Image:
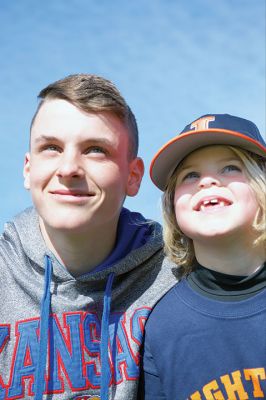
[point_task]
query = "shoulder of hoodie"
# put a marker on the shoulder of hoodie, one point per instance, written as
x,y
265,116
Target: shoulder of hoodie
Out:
x,y
146,259
24,227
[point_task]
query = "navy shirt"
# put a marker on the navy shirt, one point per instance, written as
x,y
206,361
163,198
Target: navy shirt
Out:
x,y
202,348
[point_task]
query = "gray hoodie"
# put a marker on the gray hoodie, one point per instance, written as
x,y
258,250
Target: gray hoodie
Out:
x,y
73,338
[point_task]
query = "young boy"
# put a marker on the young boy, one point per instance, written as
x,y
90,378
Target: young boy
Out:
x,y
205,340
79,273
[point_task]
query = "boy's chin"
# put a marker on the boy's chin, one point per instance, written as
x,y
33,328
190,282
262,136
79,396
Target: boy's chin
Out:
x,y
210,231
67,226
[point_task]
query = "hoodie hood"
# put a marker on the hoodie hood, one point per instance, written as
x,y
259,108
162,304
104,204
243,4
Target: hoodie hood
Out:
x,y
26,233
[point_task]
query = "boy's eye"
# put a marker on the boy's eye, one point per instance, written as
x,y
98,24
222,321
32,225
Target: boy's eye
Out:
x,y
190,176
51,147
95,149
231,168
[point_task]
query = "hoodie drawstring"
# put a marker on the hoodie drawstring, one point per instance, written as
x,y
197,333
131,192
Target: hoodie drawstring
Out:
x,y
44,328
44,331
105,370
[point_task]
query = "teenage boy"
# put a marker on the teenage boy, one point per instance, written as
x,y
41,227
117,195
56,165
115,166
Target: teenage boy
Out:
x,y
79,273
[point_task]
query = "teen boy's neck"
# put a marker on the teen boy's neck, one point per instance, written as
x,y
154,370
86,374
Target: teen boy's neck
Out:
x,y
80,253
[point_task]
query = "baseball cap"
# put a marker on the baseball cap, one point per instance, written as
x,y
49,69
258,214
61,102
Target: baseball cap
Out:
x,y
210,129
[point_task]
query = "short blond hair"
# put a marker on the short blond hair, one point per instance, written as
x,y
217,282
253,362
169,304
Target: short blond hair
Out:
x,y
178,246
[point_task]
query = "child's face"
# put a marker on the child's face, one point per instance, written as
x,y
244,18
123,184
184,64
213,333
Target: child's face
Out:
x,y
213,197
78,169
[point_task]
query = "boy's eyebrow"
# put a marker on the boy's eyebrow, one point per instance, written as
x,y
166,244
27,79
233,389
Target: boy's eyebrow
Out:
x,y
44,138
182,168
48,138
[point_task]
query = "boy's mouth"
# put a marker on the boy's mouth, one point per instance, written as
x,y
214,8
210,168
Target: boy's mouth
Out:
x,y
212,202
72,193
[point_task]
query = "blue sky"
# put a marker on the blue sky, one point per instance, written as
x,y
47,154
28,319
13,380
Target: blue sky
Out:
x,y
173,60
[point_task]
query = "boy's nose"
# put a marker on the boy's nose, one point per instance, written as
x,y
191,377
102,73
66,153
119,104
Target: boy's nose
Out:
x,y
208,181
70,166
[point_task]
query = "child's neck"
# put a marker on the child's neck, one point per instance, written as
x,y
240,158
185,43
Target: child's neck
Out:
x,y
233,258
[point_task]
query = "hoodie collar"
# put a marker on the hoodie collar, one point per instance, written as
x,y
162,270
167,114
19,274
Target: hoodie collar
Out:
x,y
133,232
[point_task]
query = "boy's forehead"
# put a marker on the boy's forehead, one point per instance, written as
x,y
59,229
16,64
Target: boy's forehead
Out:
x,y
54,112
60,117
215,152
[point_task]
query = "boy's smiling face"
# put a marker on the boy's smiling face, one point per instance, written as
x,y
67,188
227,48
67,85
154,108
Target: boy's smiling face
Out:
x,y
78,169
213,197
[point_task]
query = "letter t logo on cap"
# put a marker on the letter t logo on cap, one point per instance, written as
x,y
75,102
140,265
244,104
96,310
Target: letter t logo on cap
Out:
x,y
202,123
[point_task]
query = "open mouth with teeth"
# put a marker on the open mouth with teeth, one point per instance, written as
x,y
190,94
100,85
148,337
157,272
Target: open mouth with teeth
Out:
x,y
212,203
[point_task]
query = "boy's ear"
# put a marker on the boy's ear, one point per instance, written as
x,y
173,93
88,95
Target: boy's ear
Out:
x,y
26,171
136,171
